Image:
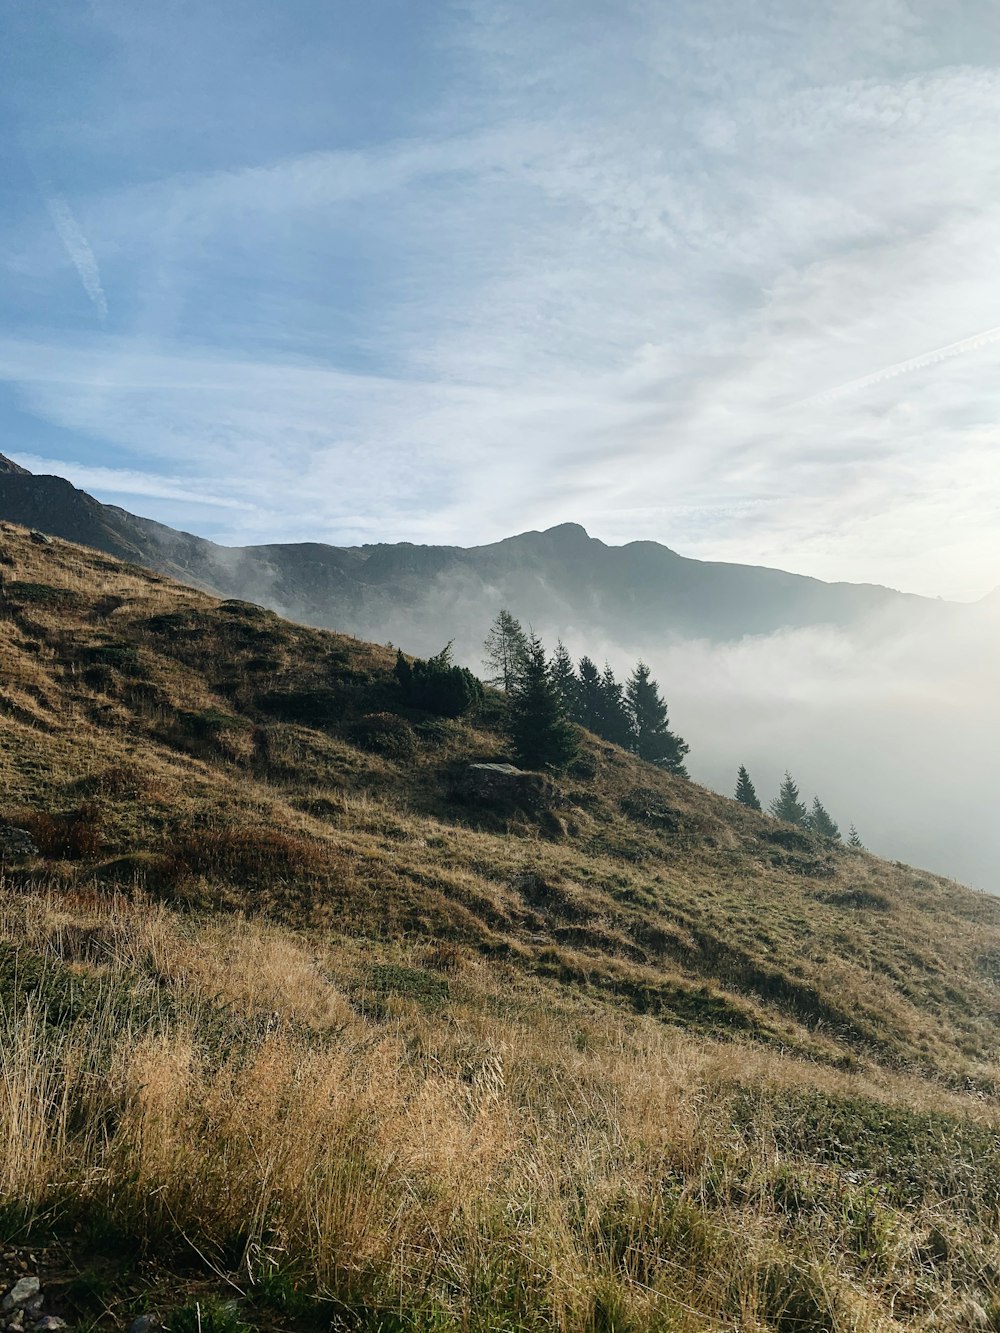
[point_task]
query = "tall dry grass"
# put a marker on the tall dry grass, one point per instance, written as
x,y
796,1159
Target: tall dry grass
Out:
x,y
499,1161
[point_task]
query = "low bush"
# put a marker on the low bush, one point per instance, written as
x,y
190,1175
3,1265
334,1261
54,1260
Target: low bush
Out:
x,y
119,655
124,779
40,594
385,734
437,685
246,610
246,853
71,835
319,706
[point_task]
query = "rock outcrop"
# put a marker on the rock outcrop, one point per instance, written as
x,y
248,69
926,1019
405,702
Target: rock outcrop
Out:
x,y
503,785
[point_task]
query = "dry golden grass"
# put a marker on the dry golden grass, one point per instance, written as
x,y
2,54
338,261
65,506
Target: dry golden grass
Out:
x,y
500,1158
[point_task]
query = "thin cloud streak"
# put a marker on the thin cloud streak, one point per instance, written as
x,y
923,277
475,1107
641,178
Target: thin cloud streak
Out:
x,y
78,248
934,357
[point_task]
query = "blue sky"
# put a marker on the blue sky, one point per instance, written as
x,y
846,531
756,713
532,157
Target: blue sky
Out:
x,y
717,274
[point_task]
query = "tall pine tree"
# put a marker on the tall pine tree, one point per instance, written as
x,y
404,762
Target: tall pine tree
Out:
x,y
505,652
746,793
542,734
652,738
564,678
854,840
616,721
589,711
786,805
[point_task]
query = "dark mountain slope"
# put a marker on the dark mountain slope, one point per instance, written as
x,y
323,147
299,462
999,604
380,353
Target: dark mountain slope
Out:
x,y
558,580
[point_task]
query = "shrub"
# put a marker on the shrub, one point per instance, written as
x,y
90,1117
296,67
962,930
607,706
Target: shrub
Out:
x,y
445,956
316,707
124,779
211,1316
71,835
584,766
414,982
248,610
40,594
211,723
646,806
246,853
384,733
437,685
119,655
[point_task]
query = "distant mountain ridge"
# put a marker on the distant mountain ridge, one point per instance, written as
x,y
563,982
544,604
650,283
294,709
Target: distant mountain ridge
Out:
x,y
557,580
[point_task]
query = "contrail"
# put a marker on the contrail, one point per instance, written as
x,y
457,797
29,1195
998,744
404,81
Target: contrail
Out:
x,y
79,251
906,367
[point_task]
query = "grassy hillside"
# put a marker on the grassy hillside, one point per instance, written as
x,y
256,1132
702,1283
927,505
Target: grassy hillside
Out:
x,y
294,1036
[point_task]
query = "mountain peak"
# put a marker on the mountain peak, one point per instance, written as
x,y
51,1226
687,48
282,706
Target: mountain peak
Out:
x,y
568,529
568,532
11,468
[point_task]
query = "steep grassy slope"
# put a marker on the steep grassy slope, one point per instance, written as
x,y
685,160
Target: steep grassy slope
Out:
x,y
280,1006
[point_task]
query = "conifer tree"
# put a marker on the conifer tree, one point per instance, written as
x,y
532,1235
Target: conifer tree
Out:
x,y
589,711
564,677
821,822
854,840
786,805
616,722
506,652
652,738
746,793
542,734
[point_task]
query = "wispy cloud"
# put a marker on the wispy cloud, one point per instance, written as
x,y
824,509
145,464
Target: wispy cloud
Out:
x,y
78,248
125,482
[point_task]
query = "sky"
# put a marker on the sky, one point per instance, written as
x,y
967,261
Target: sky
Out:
x,y
716,274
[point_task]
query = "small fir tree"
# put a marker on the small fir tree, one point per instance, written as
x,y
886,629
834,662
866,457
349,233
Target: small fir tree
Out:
x,y
542,734
821,822
746,793
854,840
786,805
652,738
505,652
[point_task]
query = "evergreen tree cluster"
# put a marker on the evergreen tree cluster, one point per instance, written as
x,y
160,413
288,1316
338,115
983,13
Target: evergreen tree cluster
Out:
x,y
547,696
437,685
789,807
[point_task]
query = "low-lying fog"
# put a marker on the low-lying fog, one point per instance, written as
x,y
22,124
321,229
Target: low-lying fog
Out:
x,y
895,726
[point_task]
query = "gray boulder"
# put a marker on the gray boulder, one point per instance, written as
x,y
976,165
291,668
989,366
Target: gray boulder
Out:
x,y
24,1290
16,844
144,1323
504,785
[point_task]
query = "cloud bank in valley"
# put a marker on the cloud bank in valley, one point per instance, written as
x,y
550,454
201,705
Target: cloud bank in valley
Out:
x,y
895,726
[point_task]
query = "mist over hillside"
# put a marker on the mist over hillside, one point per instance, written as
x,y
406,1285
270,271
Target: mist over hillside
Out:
x,y
882,703
892,721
